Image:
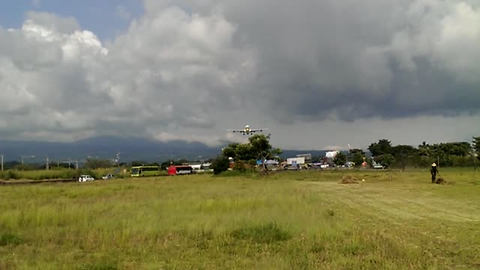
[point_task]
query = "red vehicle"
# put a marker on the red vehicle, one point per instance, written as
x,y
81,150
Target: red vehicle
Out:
x,y
180,169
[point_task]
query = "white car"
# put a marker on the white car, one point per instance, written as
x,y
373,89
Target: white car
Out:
x,y
108,176
85,178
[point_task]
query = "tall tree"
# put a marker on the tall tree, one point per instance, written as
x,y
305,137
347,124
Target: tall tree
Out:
x,y
402,153
257,148
382,147
244,152
340,159
261,147
229,151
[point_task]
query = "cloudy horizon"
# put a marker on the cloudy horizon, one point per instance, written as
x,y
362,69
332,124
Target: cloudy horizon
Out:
x,y
318,75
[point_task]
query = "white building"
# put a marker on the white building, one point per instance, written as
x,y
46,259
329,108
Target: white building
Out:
x,y
297,160
332,154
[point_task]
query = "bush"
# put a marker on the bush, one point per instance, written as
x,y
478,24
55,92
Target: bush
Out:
x,y
10,239
12,175
268,233
220,164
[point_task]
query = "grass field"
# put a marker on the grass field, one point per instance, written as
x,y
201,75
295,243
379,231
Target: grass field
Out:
x,y
289,220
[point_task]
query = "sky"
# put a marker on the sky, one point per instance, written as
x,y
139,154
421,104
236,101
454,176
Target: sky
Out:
x,y
317,74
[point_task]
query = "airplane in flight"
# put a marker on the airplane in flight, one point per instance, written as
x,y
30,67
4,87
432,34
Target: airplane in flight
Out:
x,y
247,130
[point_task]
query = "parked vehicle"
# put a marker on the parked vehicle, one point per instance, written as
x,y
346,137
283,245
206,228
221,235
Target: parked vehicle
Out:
x,y
108,176
378,166
139,171
180,169
85,178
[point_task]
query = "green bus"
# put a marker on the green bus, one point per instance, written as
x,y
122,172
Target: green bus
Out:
x,y
138,171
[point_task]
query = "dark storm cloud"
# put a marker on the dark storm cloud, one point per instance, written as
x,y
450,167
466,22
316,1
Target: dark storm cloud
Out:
x,y
349,60
428,91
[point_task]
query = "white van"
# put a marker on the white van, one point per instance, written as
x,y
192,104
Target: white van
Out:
x,y
85,178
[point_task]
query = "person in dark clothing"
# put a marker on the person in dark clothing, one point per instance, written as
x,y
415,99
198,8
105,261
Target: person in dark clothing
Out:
x,y
433,172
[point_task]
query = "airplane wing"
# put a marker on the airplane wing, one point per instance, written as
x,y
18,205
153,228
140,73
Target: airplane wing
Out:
x,y
235,130
258,129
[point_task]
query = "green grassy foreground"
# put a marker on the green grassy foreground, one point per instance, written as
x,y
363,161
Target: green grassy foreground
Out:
x,y
289,220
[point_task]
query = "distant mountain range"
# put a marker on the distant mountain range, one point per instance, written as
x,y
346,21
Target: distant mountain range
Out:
x,y
131,149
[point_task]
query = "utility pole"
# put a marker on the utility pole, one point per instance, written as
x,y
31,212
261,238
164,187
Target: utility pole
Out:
x,y
475,157
47,166
23,167
1,156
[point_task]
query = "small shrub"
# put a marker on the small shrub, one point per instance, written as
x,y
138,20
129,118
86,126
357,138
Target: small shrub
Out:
x,y
12,175
10,239
263,234
330,213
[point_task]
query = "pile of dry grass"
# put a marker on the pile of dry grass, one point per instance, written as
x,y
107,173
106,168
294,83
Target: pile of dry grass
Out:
x,y
440,181
348,179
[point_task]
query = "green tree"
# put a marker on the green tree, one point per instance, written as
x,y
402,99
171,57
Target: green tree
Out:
x,y
385,160
258,148
261,147
403,153
356,156
244,152
340,159
382,147
230,150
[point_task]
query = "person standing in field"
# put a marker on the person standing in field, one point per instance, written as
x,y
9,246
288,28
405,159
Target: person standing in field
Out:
x,y
433,172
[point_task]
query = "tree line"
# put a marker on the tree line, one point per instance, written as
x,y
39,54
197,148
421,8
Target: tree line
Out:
x,y
451,154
